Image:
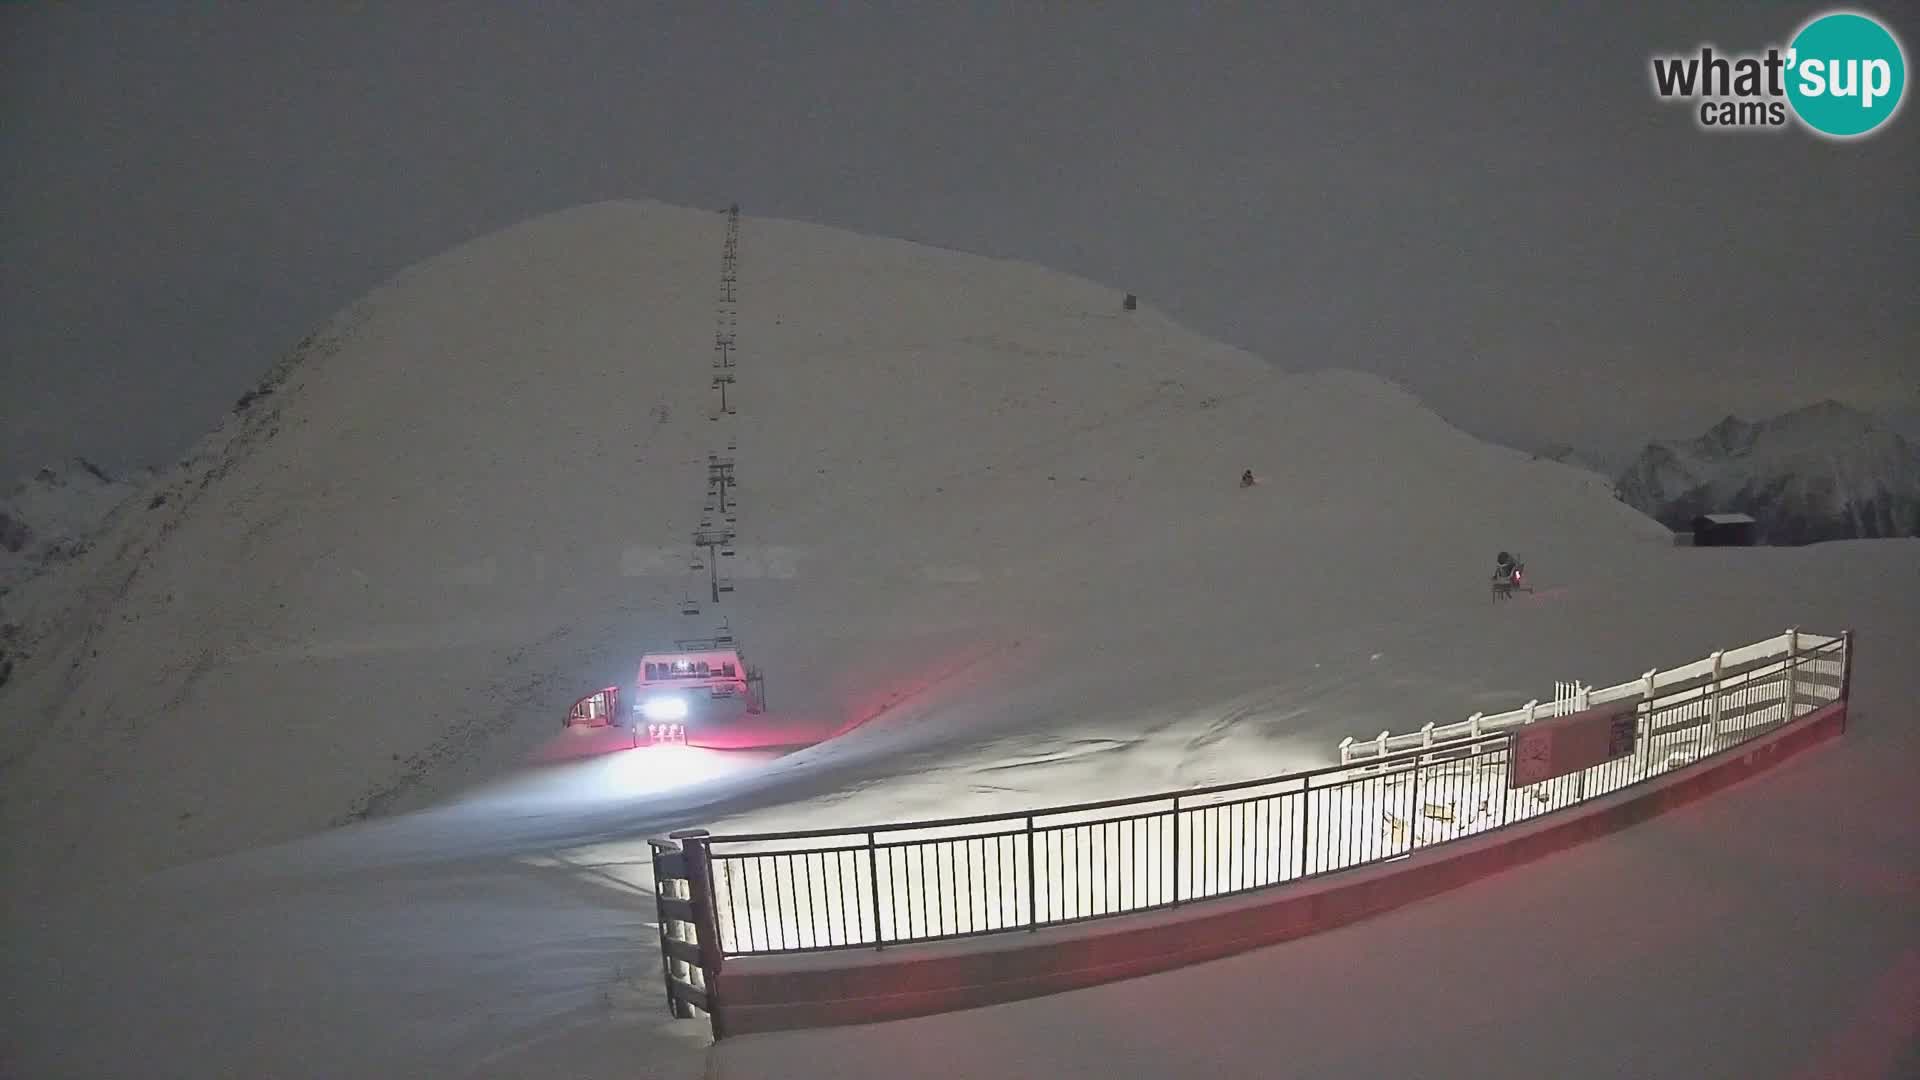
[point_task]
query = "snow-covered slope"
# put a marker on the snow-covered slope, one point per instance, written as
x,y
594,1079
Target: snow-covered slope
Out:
x,y
470,497
509,934
1766,932
1568,455
1824,472
989,528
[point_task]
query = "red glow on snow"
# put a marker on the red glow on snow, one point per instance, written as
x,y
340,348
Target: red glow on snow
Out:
x,y
954,671
1884,1026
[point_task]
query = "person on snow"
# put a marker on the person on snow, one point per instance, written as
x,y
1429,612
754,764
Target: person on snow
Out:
x,y
1246,478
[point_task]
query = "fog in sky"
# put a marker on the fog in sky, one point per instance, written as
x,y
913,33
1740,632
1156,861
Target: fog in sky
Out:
x,y
1484,202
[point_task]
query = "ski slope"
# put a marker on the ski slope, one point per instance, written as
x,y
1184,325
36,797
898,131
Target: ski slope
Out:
x,y
1764,932
471,498
990,535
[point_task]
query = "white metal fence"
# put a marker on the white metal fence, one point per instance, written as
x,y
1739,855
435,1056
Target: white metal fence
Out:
x,y
1574,696
921,881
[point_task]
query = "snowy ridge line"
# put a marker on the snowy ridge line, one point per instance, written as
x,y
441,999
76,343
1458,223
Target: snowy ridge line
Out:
x,y
1770,655
914,882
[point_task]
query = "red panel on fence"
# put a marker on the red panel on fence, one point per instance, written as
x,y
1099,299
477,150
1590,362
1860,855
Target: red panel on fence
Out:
x,y
1568,744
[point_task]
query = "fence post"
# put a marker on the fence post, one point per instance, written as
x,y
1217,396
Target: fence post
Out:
x,y
1506,789
1846,674
1714,705
1793,669
1473,725
698,856
1645,740
1414,804
1176,844
669,863
1346,750
1381,749
873,875
1033,881
1426,736
1531,707
1846,664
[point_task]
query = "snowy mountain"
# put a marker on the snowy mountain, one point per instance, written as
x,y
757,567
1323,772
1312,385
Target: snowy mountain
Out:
x,y
976,497
1823,472
48,516
47,520
991,537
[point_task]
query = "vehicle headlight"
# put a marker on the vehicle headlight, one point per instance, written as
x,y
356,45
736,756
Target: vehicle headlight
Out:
x,y
666,708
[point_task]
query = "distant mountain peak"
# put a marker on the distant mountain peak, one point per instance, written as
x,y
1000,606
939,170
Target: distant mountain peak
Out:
x,y
1823,471
1731,435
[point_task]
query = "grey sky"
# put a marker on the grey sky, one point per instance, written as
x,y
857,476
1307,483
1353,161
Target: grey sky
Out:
x,y
1484,202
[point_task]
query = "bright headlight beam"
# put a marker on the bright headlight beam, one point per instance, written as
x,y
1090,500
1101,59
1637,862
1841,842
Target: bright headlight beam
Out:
x,y
671,708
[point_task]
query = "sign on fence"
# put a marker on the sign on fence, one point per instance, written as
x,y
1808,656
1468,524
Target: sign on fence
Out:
x,y
1571,743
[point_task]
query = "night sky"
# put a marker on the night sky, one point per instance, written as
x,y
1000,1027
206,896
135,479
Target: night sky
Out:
x,y
1484,202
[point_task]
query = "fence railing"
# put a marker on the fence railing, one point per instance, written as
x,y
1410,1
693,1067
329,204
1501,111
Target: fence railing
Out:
x,y
895,884
1574,696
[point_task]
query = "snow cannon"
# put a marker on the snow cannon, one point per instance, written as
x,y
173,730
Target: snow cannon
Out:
x,y
1509,574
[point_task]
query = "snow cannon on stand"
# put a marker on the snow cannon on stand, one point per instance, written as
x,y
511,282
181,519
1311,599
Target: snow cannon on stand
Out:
x,y
1509,574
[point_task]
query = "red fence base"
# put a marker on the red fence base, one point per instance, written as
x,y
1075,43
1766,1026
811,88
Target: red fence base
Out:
x,y
771,993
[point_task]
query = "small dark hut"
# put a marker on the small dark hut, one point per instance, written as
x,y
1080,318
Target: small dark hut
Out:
x,y
1725,530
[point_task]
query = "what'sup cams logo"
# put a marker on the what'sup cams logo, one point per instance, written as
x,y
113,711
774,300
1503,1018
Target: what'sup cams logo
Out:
x,y
1842,76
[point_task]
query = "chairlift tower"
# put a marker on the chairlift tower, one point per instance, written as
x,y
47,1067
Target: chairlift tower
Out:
x,y
719,479
718,543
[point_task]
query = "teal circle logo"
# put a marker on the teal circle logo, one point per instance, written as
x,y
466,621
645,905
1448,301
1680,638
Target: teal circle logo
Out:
x,y
1845,75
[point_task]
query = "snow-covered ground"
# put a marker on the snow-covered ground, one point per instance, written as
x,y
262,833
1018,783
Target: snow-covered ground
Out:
x,y
989,531
1765,932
